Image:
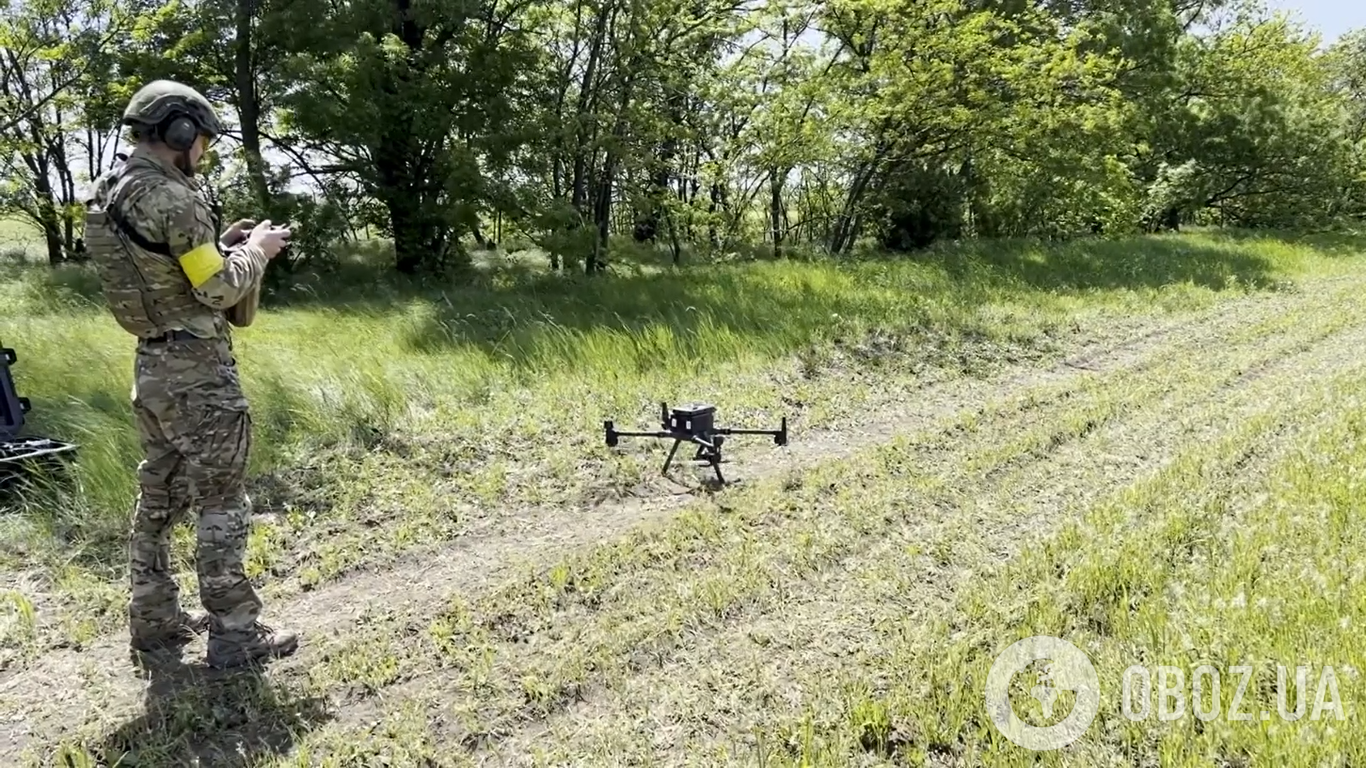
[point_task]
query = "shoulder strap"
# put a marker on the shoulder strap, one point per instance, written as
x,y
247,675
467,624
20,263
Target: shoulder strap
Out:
x,y
112,210
162,248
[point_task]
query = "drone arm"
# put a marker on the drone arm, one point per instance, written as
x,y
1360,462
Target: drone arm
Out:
x,y
611,433
644,434
728,431
779,435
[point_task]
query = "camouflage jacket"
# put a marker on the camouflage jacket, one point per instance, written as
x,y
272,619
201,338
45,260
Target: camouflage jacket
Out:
x,y
151,235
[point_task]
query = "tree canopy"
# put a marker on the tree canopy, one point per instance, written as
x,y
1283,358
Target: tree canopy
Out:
x,y
701,123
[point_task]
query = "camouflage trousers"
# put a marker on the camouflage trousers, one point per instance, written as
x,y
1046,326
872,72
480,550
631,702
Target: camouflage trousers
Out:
x,y
195,430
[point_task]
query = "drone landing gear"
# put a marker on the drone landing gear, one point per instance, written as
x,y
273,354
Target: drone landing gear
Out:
x,y
709,452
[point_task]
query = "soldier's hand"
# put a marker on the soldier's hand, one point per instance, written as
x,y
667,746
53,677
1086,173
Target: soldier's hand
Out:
x,y
237,232
270,239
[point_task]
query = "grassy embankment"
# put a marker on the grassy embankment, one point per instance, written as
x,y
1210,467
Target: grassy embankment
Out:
x,y
390,416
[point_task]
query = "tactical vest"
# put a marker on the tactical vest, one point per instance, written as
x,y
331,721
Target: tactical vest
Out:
x,y
147,291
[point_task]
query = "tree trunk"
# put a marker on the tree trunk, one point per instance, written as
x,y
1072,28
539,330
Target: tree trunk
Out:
x,y
844,228
248,103
399,189
775,210
587,94
419,237
713,235
602,214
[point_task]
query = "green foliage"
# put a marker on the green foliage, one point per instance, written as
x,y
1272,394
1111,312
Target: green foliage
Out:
x,y
702,127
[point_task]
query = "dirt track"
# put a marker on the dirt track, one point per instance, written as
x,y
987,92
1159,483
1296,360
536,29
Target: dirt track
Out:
x,y
1000,462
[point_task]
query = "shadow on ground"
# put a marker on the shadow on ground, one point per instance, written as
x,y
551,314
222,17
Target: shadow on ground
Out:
x,y
1330,244
196,716
1115,265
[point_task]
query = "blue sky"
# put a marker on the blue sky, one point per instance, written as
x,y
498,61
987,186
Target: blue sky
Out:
x,y
1329,17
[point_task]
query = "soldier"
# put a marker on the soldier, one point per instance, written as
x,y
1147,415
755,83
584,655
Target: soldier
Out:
x,y
175,284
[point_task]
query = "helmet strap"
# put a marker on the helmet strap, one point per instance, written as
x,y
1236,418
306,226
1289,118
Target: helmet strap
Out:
x,y
186,167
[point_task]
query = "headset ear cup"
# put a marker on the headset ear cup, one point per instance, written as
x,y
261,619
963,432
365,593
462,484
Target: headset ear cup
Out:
x,y
180,134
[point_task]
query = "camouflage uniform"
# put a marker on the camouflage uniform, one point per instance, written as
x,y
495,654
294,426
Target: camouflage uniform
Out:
x,y
168,282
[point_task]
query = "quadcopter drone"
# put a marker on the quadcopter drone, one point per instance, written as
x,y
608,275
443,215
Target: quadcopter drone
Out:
x,y
694,423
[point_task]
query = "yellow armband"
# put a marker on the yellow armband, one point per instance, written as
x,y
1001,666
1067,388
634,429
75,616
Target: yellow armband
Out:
x,y
202,263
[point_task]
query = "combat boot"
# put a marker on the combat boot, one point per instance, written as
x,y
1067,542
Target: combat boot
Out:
x,y
176,634
257,643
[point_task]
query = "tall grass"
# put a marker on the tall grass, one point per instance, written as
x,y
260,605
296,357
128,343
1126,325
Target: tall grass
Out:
x,y
347,356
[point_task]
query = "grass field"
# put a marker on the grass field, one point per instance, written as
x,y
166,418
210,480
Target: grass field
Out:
x,y
1150,448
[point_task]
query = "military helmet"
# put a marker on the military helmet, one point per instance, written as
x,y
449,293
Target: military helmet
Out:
x,y
163,99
